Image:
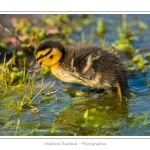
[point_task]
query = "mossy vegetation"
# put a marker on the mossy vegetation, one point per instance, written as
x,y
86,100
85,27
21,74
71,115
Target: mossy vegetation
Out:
x,y
36,103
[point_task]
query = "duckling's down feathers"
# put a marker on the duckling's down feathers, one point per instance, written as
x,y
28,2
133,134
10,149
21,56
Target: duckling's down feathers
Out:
x,y
90,61
50,43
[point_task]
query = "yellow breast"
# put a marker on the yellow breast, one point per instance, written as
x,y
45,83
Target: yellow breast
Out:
x,y
67,76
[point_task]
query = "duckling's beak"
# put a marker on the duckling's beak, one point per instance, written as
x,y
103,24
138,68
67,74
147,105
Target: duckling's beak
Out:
x,y
34,66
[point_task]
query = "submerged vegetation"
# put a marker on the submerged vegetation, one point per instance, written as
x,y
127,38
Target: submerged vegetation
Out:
x,y
36,103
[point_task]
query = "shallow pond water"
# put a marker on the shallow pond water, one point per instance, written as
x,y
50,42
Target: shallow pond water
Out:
x,y
68,112
63,113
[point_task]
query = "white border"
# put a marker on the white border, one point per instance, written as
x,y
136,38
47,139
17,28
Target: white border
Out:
x,y
75,5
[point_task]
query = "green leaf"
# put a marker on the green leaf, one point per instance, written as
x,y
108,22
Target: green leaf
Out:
x,y
86,114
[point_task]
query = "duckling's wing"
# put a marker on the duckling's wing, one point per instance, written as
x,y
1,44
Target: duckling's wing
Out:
x,y
83,60
80,60
92,62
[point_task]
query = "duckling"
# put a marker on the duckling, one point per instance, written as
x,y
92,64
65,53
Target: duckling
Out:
x,y
87,65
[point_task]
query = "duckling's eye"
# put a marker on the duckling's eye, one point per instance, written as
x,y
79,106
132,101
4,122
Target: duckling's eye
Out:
x,y
51,57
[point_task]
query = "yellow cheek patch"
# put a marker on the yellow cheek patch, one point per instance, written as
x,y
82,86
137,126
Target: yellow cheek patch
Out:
x,y
47,61
42,52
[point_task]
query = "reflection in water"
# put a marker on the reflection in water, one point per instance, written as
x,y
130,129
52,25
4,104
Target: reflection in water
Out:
x,y
104,115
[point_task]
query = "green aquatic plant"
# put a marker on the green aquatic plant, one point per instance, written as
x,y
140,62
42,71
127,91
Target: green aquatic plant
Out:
x,y
12,75
140,61
128,32
100,29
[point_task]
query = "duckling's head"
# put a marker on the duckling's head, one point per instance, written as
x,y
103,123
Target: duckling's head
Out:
x,y
48,53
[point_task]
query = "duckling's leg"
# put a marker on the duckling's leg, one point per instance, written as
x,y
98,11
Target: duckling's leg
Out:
x,y
119,90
